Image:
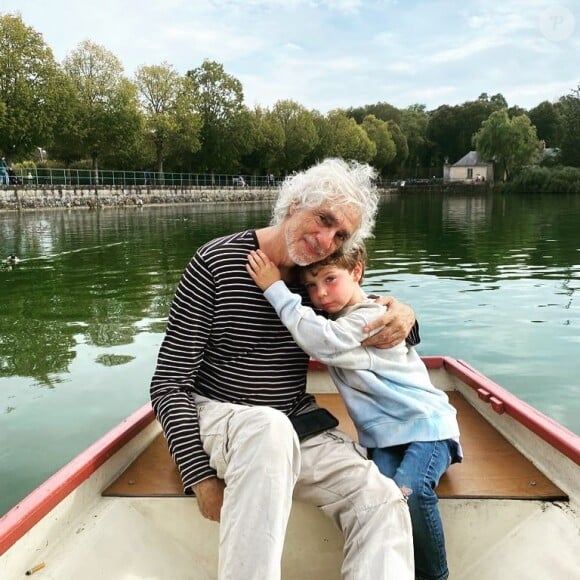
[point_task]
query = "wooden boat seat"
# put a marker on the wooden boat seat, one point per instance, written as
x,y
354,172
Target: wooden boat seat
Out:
x,y
492,467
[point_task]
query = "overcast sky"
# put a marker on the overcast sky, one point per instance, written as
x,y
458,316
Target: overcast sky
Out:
x,y
328,54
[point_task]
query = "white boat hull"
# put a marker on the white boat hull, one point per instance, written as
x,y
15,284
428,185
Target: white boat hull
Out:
x,y
85,535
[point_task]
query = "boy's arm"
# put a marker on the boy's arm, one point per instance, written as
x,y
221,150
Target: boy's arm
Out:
x,y
333,342
390,326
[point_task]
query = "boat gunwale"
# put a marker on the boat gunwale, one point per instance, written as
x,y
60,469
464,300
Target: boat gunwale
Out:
x,y
502,401
36,505
22,517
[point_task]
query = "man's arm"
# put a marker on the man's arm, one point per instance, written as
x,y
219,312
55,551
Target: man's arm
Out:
x,y
179,358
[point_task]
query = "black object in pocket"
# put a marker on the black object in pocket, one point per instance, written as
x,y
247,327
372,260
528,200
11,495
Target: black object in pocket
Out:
x,y
313,422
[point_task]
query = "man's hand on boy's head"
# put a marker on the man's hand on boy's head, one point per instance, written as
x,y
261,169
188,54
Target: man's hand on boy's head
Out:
x,y
262,270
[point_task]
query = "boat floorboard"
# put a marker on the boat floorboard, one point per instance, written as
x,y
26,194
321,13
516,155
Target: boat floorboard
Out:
x,y
492,467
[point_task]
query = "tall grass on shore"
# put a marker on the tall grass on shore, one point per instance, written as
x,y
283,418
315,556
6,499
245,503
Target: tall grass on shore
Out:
x,y
543,180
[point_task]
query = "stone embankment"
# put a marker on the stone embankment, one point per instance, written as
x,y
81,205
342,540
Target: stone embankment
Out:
x,y
19,198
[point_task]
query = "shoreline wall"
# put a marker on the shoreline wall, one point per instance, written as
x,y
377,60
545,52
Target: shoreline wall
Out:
x,y
20,198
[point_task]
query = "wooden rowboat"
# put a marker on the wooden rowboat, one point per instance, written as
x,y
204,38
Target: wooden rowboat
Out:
x,y
118,512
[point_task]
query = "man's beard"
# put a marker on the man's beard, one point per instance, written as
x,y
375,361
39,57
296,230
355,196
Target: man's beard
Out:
x,y
301,258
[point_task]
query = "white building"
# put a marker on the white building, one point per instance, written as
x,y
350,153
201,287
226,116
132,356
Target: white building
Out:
x,y
469,169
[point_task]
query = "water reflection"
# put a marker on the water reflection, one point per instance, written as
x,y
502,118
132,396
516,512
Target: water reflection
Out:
x,y
466,213
99,273
102,273
480,238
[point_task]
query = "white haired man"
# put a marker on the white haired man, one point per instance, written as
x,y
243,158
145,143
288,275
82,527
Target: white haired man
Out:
x,y
230,377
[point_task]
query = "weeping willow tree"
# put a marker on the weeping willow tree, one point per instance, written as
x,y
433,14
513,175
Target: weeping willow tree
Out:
x,y
510,142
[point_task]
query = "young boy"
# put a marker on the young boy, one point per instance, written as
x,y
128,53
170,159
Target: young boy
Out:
x,y
407,424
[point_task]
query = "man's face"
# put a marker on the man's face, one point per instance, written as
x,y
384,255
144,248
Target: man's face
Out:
x,y
314,234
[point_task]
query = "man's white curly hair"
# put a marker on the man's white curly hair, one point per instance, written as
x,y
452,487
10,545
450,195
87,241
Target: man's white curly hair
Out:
x,y
338,183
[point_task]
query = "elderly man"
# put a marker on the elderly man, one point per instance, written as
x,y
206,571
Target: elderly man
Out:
x,y
230,378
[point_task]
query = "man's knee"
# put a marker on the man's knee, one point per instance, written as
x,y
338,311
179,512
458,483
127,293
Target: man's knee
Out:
x,y
376,490
268,429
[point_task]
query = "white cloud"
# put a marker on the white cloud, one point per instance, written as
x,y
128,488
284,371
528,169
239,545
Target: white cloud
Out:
x,y
332,53
406,68
465,50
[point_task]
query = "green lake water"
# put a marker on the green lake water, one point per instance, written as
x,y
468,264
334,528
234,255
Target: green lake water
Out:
x,y
494,281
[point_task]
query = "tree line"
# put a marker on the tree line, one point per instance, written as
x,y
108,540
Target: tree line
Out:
x,y
84,112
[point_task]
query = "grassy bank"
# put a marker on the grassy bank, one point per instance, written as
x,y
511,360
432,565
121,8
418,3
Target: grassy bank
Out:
x,y
543,180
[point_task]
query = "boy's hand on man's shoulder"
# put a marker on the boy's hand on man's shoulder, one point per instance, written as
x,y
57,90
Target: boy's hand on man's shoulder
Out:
x,y
262,270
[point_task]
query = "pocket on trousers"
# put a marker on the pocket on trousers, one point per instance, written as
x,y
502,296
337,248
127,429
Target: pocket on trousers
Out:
x,y
346,440
211,425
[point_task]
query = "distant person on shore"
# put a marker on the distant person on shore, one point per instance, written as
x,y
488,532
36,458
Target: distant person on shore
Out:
x,y
407,424
4,177
230,378
12,177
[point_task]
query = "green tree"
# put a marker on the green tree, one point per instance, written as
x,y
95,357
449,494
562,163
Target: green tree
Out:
x,y
442,131
396,167
498,101
471,115
107,120
548,122
31,89
383,111
324,139
226,125
378,132
266,156
451,128
510,143
169,110
186,140
300,136
350,140
569,106
414,122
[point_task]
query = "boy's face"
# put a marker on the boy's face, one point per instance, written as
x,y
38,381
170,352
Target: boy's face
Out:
x,y
332,288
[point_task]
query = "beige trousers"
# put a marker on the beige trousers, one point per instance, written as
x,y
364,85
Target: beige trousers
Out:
x,y
257,453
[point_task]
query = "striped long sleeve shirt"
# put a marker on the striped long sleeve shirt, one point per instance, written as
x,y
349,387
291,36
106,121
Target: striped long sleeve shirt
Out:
x,y
223,341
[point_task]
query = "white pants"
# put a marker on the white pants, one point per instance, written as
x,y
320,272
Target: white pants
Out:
x,y
257,453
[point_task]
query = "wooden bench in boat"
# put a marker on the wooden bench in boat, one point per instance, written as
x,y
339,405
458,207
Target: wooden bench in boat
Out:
x,y
492,467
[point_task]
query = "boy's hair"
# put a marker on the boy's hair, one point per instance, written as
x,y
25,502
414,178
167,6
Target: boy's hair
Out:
x,y
346,260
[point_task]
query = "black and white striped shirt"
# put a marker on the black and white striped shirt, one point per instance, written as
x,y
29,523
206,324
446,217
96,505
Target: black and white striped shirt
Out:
x,y
223,341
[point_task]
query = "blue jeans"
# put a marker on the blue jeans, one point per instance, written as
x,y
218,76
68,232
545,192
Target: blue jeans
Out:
x,y
418,467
